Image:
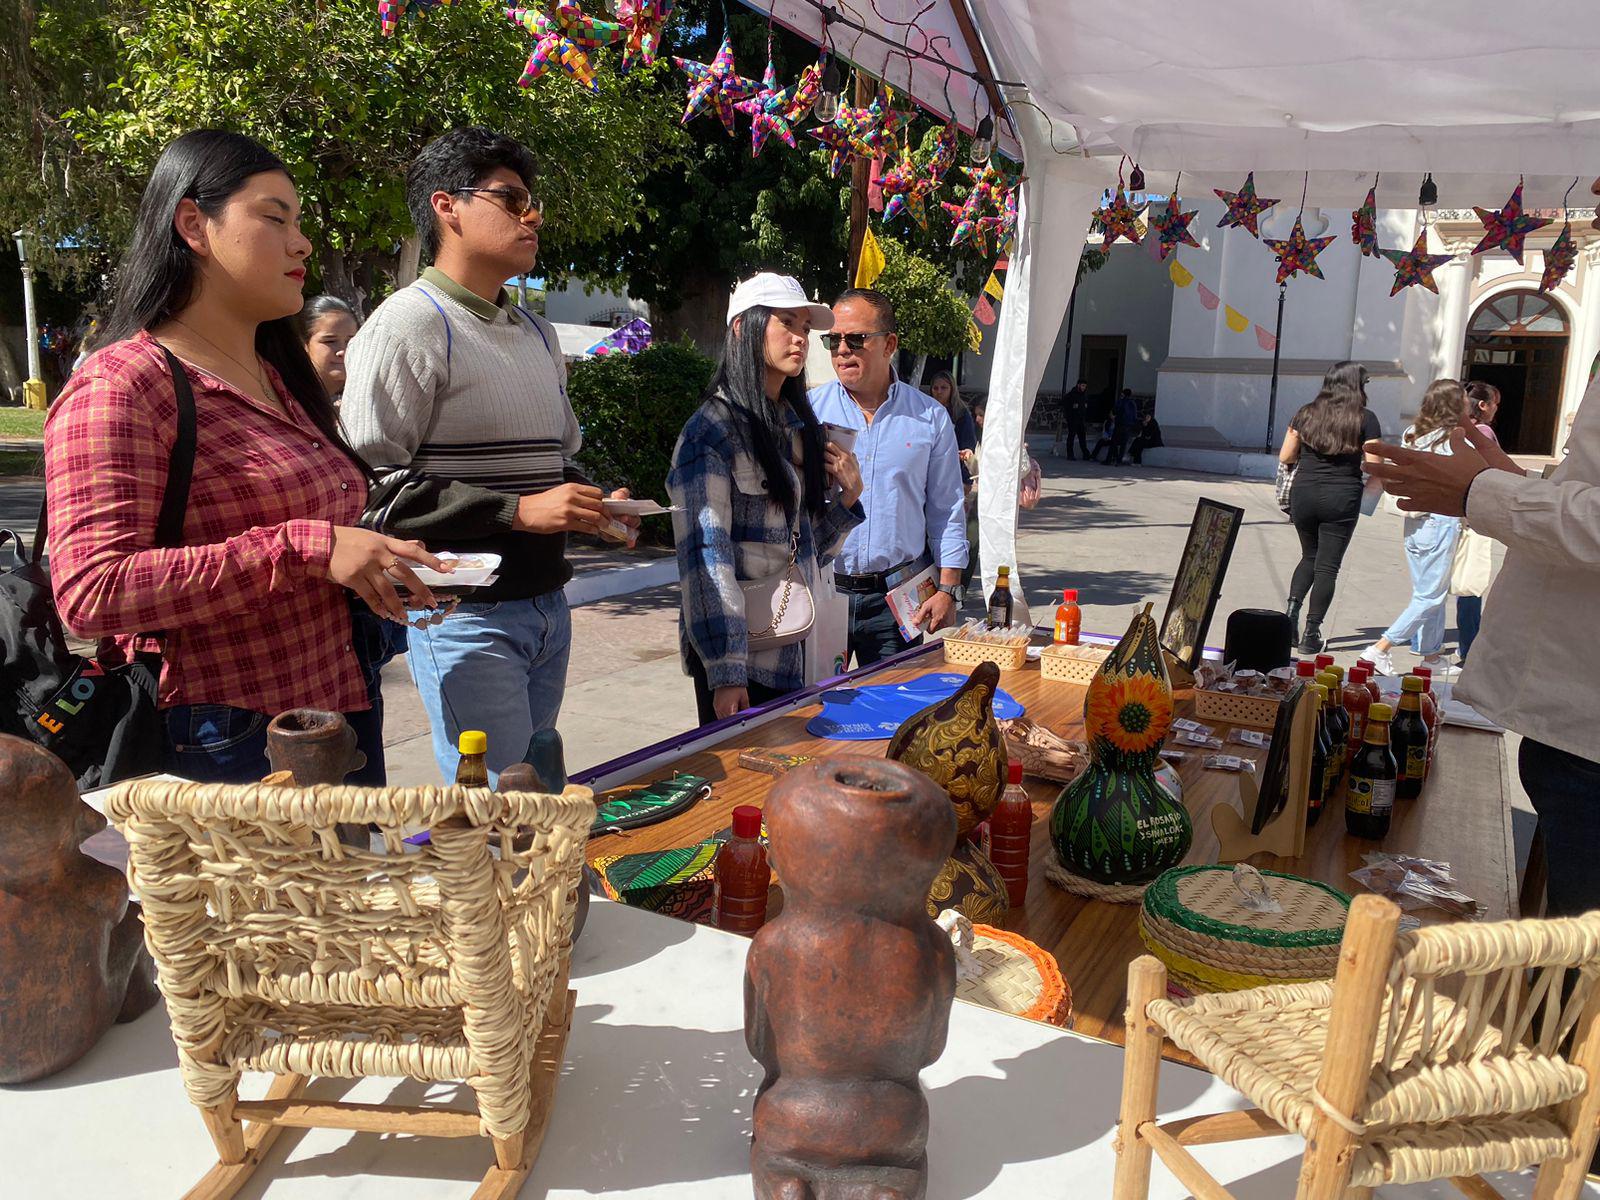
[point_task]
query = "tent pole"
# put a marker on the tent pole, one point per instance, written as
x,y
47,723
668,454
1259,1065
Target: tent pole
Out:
x,y
1277,349
980,59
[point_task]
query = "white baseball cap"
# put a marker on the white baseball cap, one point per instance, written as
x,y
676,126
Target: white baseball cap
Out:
x,y
777,291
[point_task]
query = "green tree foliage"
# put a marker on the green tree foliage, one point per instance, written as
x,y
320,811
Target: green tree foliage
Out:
x,y
933,317
632,407
347,109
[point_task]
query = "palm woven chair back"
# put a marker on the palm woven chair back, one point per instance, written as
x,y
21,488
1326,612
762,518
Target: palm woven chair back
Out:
x,y
280,949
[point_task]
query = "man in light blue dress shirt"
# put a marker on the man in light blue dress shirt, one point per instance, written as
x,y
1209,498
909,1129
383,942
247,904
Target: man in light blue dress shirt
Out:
x,y
911,474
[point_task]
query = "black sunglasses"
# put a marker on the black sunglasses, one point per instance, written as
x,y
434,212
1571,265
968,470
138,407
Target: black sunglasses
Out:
x,y
856,341
516,201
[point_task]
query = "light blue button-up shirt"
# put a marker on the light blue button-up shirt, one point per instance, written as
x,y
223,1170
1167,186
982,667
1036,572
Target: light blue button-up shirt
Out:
x,y
911,480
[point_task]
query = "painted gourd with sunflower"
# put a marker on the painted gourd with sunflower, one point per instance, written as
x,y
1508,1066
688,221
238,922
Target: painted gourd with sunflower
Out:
x,y
1115,823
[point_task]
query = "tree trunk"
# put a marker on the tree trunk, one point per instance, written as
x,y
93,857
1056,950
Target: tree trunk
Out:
x,y
918,366
701,315
410,265
338,278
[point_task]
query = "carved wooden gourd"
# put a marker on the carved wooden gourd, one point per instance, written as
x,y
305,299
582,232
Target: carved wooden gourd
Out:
x,y
1116,823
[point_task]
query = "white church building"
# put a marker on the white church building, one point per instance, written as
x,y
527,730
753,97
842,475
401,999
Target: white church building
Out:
x,y
1203,352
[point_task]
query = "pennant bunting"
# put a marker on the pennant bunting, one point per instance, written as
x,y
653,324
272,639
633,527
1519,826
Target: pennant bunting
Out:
x,y
993,288
984,311
1003,265
1236,320
1209,298
1182,276
1265,339
974,337
871,263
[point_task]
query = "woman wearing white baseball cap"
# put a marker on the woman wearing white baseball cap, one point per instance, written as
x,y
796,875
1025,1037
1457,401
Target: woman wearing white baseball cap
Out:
x,y
751,474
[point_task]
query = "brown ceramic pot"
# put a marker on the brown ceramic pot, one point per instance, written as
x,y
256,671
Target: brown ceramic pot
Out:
x,y
317,747
848,990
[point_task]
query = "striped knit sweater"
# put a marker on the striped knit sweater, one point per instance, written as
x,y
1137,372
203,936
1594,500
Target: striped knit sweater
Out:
x,y
474,395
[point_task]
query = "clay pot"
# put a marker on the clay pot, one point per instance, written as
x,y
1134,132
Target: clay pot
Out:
x,y
848,990
957,743
971,884
522,777
315,746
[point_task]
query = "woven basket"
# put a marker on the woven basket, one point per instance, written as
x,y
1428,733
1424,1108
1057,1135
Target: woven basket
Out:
x,y
1055,663
1018,978
969,654
1256,712
1194,920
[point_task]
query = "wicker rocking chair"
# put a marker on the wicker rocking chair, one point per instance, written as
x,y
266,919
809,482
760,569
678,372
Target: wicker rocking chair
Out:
x,y
279,949
1441,1054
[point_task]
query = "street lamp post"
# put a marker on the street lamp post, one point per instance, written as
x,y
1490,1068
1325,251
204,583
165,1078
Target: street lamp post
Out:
x,y
33,389
1277,348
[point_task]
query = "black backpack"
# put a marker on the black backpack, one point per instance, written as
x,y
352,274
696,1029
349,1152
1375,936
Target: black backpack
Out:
x,y
102,722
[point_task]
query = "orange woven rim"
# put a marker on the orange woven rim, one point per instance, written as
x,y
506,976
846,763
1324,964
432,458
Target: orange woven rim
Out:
x,y
1055,996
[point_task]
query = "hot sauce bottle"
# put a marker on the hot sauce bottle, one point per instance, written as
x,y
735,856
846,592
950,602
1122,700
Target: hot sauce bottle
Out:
x,y
1355,699
1010,831
741,876
1432,710
1069,619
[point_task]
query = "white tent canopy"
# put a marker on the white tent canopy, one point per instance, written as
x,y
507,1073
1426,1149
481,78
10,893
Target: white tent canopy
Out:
x,y
1321,93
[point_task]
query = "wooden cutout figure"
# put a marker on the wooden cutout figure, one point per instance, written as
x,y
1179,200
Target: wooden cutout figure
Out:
x,y
848,990
72,956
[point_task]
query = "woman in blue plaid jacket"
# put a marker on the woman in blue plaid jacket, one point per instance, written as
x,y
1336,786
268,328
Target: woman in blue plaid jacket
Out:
x,y
751,475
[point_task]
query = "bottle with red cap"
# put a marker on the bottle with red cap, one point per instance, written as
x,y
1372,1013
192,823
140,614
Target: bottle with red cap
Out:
x,y
1069,619
1355,700
1323,661
1367,672
741,876
1432,710
1010,835
1304,668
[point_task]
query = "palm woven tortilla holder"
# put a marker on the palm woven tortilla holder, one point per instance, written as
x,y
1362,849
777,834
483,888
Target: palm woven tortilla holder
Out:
x,y
1194,919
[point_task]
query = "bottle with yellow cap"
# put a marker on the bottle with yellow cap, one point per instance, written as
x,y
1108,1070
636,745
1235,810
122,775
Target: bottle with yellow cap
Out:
x,y
1317,794
1408,737
473,769
1338,726
1369,796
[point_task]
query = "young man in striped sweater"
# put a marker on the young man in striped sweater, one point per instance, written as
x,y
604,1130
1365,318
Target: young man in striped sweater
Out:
x,y
451,378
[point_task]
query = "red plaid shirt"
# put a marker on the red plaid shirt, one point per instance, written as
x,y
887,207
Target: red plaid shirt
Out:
x,y
249,616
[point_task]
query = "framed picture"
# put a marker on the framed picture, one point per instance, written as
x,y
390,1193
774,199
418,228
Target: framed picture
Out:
x,y
1276,780
1199,580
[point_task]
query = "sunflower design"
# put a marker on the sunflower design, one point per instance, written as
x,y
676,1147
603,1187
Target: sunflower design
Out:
x,y
1132,712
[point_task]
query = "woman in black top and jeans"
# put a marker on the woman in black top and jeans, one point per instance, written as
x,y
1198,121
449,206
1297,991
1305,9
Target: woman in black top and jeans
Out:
x,y
1324,443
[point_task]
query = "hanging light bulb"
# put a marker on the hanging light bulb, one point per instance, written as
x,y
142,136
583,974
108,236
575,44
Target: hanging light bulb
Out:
x,y
1428,197
983,143
1137,196
827,106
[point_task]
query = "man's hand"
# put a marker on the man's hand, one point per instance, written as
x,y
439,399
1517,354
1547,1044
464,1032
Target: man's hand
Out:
x,y
1425,482
1488,448
729,700
570,508
843,469
629,522
937,611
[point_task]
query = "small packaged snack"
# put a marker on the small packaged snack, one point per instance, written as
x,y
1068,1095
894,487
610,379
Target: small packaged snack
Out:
x,y
1250,737
1199,739
772,762
1228,762
1174,756
1190,725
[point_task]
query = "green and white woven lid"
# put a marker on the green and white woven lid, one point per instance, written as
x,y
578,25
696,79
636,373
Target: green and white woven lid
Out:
x,y
1208,901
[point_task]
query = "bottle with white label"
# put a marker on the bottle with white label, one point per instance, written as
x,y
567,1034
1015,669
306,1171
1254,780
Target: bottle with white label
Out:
x,y
1369,792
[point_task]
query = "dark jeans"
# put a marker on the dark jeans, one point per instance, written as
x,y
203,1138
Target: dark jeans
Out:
x,y
1077,431
1325,518
1469,614
705,694
215,743
1565,791
874,633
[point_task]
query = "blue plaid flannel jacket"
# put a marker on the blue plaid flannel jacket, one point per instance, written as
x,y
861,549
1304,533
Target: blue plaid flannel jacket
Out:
x,y
730,530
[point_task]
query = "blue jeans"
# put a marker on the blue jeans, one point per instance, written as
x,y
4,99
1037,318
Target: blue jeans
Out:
x,y
1469,615
215,743
1430,544
499,667
1565,791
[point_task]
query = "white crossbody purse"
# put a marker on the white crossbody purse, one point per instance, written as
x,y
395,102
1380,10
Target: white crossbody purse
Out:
x,y
777,608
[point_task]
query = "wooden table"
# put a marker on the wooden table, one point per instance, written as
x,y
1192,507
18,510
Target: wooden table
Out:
x,y
1462,817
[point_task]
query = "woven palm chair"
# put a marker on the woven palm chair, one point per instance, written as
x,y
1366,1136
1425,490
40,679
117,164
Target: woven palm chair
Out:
x,y
1443,1053
279,949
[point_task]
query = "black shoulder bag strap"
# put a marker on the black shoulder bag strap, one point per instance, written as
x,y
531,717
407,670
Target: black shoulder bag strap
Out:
x,y
180,467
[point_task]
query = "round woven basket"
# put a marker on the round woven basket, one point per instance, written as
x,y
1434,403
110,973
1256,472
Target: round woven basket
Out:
x,y
1078,885
1018,978
1195,920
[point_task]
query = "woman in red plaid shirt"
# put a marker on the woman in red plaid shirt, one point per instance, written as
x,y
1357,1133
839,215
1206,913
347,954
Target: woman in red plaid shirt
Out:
x,y
255,606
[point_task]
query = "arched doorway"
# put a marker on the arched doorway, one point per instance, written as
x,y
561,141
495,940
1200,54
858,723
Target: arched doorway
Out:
x,y
1518,342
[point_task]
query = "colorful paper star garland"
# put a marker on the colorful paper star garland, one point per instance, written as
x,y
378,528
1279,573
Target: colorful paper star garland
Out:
x,y
1297,253
974,224
715,86
1416,265
1508,227
772,110
392,12
564,40
906,190
1172,227
1364,225
837,140
642,20
1119,219
1559,258
1244,207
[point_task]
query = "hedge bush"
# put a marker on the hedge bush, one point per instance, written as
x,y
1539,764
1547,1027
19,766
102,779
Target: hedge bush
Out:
x,y
632,408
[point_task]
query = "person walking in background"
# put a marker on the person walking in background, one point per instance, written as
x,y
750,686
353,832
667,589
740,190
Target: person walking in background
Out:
x,y
1076,404
1323,445
255,606
327,324
912,493
1474,561
453,380
1430,540
750,477
1347,374
942,387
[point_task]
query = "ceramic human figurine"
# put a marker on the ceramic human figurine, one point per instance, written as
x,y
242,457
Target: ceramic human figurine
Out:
x,y
1116,823
72,956
958,744
848,990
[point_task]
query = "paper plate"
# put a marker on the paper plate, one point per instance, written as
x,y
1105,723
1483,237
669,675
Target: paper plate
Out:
x,y
637,508
480,572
